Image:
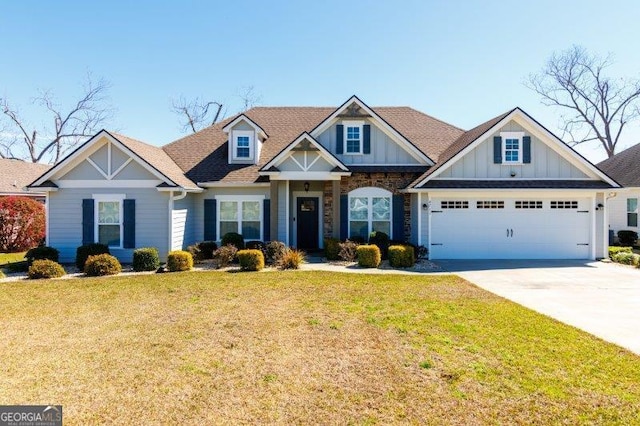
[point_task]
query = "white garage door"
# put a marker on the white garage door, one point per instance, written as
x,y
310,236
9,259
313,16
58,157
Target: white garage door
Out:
x,y
558,228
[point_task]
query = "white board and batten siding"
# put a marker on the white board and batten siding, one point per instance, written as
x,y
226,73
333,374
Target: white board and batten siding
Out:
x,y
526,227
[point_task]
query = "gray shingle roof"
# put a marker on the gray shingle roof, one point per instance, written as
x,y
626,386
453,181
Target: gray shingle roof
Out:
x,y
624,167
16,174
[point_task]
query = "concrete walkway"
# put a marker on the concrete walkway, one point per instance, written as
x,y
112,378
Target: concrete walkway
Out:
x,y
600,298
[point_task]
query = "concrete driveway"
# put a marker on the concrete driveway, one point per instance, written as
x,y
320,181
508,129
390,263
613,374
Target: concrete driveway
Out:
x,y
600,298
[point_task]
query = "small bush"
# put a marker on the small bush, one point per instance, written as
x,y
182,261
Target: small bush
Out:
x,y
357,239
42,253
626,258
257,245
195,252
275,250
102,264
332,248
627,238
225,255
401,256
233,238
202,250
348,250
381,240
22,223
291,259
251,260
146,259
421,252
45,268
369,256
613,250
179,260
83,253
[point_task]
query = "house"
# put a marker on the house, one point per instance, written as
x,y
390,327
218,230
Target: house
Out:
x,y
507,188
624,167
15,175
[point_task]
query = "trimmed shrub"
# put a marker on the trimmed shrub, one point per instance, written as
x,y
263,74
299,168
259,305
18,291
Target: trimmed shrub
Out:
x,y
332,248
613,250
225,255
381,240
83,253
41,253
348,250
146,259
22,223
369,256
251,260
45,268
102,264
275,250
233,238
627,238
401,256
257,245
196,253
292,259
179,260
626,258
202,250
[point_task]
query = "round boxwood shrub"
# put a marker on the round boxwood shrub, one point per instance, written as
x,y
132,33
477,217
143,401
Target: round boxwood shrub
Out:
x,y
627,238
368,256
179,260
233,238
146,259
41,253
83,252
401,256
225,255
381,240
102,264
274,251
45,268
251,260
332,248
348,250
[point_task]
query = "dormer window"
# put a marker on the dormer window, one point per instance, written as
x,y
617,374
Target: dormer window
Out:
x,y
242,144
353,137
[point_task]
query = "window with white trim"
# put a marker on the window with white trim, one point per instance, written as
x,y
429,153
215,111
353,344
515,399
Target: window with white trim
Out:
x,y
632,212
108,219
353,137
369,210
243,144
512,147
241,216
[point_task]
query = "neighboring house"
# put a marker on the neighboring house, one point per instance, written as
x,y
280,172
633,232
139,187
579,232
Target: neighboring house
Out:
x,y
15,175
623,208
506,189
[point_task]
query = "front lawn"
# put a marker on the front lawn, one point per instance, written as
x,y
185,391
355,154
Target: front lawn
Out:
x,y
302,347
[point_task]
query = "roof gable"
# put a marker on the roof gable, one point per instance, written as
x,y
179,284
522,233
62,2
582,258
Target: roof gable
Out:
x,y
306,143
480,134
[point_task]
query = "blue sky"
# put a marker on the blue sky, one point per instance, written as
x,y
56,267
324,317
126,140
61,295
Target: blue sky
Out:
x,y
462,62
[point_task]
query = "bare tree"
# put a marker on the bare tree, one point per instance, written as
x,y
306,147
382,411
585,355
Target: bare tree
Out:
x,y
197,114
597,107
249,97
70,127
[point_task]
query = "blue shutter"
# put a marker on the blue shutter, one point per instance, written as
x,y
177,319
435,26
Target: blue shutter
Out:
x,y
526,149
366,134
129,224
497,150
398,217
87,221
344,217
266,220
210,219
339,138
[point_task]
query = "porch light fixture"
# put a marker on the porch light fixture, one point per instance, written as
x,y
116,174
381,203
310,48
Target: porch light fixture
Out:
x,y
306,187
425,206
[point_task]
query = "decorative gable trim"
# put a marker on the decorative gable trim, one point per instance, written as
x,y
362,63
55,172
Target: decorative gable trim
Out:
x,y
282,155
345,110
520,116
259,130
89,147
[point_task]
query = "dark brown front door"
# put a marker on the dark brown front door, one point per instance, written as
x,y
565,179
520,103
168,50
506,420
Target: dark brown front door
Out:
x,y
307,227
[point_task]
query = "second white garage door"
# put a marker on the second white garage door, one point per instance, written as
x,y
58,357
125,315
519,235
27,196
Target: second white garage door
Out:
x,y
522,228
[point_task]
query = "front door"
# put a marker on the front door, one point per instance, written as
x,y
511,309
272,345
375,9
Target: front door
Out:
x,y
307,227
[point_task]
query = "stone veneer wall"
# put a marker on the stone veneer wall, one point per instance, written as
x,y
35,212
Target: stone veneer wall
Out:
x,y
393,182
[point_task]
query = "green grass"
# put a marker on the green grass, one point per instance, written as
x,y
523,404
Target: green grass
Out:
x,y
303,347
6,258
